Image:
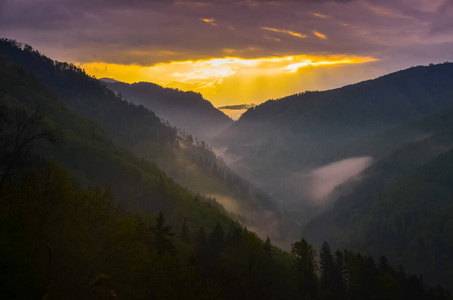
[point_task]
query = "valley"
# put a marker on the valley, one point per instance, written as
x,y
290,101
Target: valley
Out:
x,y
366,167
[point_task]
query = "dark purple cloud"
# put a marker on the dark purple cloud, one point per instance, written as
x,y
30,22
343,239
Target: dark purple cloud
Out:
x,y
151,31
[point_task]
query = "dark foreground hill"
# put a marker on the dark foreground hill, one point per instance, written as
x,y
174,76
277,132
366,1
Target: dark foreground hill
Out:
x,y
90,155
95,235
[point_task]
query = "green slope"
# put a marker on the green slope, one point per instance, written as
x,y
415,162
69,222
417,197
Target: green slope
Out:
x,y
411,221
295,134
400,207
90,154
64,240
138,129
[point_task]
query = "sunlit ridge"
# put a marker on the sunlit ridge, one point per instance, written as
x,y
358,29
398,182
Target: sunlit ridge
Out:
x,y
209,75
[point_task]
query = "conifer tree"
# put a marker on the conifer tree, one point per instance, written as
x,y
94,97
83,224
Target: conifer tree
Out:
x,y
306,267
185,232
327,268
161,241
267,247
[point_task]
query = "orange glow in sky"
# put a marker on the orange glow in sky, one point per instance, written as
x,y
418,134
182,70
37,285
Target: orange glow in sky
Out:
x,y
296,34
227,80
209,21
236,51
320,35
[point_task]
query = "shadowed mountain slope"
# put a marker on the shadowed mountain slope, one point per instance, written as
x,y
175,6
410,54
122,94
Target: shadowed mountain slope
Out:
x,y
406,215
185,110
280,139
95,160
188,161
401,204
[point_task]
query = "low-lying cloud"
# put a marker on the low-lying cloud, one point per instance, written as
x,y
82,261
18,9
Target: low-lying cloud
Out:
x,y
230,204
326,178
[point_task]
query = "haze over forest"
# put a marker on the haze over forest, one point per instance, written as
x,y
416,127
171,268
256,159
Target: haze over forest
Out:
x,y
244,149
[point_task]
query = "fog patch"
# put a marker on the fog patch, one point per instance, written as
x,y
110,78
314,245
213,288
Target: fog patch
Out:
x,y
265,224
228,158
230,204
323,180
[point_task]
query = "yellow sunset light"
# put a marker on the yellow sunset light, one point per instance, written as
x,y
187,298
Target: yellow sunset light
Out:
x,y
294,67
225,75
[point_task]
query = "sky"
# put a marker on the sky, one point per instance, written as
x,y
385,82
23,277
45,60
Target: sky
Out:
x,y
236,51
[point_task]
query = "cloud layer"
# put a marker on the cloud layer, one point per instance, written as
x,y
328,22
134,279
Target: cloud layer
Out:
x,y
399,33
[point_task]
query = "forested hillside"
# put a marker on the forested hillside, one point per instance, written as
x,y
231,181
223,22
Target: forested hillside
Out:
x,y
82,218
61,241
402,204
281,140
187,110
397,130
91,156
184,158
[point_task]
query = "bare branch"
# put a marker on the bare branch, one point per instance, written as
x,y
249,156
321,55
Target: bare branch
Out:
x,y
20,134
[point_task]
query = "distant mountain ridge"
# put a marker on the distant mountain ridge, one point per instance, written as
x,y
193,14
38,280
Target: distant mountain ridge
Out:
x,y
370,105
185,110
108,80
239,106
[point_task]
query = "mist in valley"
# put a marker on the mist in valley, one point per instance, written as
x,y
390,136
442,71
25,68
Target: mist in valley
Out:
x,y
325,179
241,200
304,194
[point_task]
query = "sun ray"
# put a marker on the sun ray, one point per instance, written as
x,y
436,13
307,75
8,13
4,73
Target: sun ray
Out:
x,y
206,75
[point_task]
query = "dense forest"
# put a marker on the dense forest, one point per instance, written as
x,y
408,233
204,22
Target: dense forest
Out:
x,y
63,241
282,138
182,156
81,217
396,129
406,215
